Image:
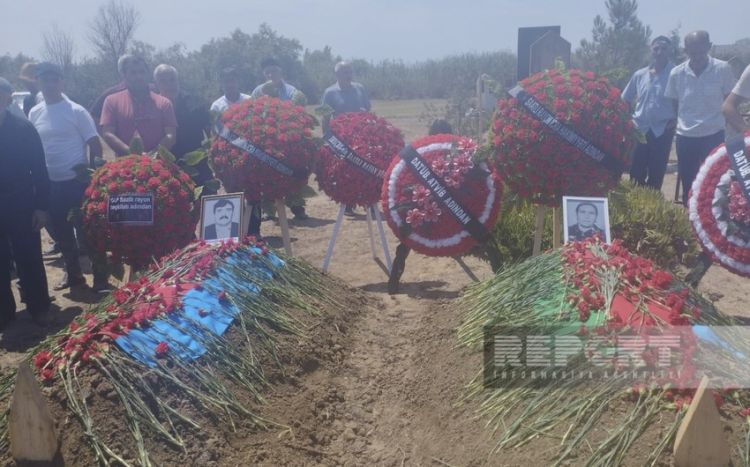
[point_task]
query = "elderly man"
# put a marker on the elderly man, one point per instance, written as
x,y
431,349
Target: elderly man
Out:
x,y
698,87
137,110
230,83
24,197
345,95
653,114
66,130
737,125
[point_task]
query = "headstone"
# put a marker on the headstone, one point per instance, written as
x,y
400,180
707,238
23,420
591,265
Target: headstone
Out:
x,y
30,425
546,50
526,37
700,441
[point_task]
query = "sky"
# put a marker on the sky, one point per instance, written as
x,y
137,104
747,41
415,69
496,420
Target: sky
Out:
x,y
409,30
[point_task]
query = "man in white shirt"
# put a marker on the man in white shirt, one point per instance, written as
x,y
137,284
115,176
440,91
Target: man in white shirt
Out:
x,y
66,130
230,83
737,125
698,87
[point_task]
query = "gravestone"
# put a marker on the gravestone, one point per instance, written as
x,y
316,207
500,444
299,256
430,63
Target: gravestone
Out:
x,y
526,37
546,50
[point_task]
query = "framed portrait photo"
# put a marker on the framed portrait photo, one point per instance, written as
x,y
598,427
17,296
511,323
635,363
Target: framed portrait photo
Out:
x,y
585,217
221,217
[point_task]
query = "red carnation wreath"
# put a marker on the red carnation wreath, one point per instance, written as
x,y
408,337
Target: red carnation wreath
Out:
x,y
720,213
264,147
414,212
371,139
174,214
540,165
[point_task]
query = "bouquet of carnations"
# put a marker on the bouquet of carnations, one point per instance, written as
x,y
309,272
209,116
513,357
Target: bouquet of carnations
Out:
x,y
438,199
563,133
263,147
352,163
174,216
720,212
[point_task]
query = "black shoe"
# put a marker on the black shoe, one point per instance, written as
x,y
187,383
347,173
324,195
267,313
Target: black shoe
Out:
x,y
101,286
349,211
299,213
69,282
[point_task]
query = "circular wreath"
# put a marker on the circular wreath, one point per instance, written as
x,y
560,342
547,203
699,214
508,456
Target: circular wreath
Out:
x,y
174,213
538,164
720,213
414,214
371,138
281,130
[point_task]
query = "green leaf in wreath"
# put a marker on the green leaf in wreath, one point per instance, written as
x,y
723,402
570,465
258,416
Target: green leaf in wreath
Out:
x,y
136,145
164,154
194,157
197,192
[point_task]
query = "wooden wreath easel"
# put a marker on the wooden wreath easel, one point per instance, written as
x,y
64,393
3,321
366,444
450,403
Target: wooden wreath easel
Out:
x,y
283,222
539,229
381,230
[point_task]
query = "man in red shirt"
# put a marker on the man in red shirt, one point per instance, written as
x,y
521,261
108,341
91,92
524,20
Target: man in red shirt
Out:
x,y
137,110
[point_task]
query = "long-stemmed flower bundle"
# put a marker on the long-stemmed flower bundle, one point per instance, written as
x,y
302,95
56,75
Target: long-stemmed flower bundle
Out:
x,y
542,166
596,291
720,212
373,141
165,337
174,215
264,147
432,215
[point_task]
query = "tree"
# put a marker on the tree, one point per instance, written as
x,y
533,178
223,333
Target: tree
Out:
x,y
59,48
111,31
617,49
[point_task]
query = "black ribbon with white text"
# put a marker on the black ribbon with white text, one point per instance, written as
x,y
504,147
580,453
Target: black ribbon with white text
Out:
x,y
424,172
548,119
740,163
342,151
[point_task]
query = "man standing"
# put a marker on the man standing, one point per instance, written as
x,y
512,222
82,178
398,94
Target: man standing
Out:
x,y
736,125
230,83
698,87
193,119
66,130
137,110
345,95
653,114
24,197
28,76
277,87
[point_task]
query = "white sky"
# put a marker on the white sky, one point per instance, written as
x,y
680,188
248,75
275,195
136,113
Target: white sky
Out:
x,y
372,29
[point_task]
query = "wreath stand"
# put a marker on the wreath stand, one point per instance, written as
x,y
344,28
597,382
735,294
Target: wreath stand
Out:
x,y
381,230
539,229
283,222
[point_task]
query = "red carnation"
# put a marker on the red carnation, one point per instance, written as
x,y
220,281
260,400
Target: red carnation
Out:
x,y
161,349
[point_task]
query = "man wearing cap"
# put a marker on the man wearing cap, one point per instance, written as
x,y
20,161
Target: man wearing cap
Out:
x,y
653,114
277,87
24,197
66,130
698,88
230,83
28,77
137,110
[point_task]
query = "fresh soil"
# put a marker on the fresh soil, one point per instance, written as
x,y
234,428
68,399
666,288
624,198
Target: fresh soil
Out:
x,y
380,382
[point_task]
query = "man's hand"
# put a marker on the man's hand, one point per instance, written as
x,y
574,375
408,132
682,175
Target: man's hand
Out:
x,y
39,219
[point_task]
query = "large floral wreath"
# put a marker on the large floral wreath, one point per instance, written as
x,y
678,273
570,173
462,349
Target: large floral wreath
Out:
x,y
174,216
720,213
540,165
371,139
414,212
263,147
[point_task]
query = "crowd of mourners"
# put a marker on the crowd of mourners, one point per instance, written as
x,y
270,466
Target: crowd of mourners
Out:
x,y
45,142
694,103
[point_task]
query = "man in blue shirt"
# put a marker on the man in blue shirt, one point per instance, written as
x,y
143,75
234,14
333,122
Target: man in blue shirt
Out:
x,y
345,95
653,114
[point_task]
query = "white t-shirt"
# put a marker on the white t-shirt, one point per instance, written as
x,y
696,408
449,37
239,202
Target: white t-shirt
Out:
x,y
221,104
742,88
700,97
64,128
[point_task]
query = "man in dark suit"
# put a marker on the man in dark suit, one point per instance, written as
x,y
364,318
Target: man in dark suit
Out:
x,y
586,214
223,227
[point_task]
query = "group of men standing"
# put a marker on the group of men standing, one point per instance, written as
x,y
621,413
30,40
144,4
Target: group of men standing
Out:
x,y
41,152
697,100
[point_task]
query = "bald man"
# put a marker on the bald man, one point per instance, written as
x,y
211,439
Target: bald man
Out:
x,y
698,88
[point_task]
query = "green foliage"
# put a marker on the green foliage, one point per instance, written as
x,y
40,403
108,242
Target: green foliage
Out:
x,y
619,48
648,225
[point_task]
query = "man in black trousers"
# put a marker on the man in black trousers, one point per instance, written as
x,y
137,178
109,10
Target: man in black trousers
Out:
x,y
24,196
